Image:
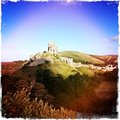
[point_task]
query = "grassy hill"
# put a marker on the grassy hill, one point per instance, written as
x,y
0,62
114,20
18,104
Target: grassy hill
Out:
x,y
87,71
58,68
108,59
61,68
81,57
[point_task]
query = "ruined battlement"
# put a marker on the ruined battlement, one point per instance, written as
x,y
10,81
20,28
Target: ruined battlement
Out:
x,y
67,60
52,48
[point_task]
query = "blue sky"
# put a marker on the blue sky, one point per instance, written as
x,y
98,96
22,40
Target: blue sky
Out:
x,y
28,27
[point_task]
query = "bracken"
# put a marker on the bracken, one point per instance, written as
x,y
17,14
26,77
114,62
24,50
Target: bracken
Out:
x,y
19,105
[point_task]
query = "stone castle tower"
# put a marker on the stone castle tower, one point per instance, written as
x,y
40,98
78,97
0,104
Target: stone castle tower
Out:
x,y
52,48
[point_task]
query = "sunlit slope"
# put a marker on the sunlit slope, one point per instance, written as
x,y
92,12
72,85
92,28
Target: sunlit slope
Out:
x,y
57,68
81,57
107,58
86,71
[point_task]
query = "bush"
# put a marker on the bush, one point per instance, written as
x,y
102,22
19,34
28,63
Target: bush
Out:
x,y
19,105
40,92
14,104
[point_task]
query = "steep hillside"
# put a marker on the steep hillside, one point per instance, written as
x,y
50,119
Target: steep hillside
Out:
x,y
58,68
81,57
108,59
61,68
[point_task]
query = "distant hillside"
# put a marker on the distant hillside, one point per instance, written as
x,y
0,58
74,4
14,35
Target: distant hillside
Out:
x,y
10,67
82,57
108,59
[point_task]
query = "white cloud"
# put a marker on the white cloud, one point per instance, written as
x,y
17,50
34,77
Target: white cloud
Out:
x,y
112,39
115,38
14,0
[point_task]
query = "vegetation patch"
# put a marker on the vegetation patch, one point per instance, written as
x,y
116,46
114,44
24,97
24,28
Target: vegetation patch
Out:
x,y
81,57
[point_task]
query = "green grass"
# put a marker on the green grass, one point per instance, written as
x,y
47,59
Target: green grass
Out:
x,y
61,68
54,58
81,57
58,67
86,71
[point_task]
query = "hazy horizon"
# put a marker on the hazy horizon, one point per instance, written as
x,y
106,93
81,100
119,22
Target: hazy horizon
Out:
x,y
87,27
59,51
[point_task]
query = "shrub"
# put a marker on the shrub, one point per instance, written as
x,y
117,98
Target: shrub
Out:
x,y
14,104
40,92
19,105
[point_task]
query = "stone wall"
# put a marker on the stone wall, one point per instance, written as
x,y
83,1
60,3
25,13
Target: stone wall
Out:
x,y
67,60
41,60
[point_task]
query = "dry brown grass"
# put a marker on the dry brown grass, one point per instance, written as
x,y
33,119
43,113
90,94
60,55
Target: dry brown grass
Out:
x,y
19,105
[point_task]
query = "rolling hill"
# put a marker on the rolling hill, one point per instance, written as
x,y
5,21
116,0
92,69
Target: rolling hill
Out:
x,y
59,67
81,57
86,58
108,59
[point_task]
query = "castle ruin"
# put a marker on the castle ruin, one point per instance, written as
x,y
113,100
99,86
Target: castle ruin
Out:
x,y
52,48
67,60
41,58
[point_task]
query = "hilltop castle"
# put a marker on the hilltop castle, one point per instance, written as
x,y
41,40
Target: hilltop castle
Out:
x,y
52,48
41,58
